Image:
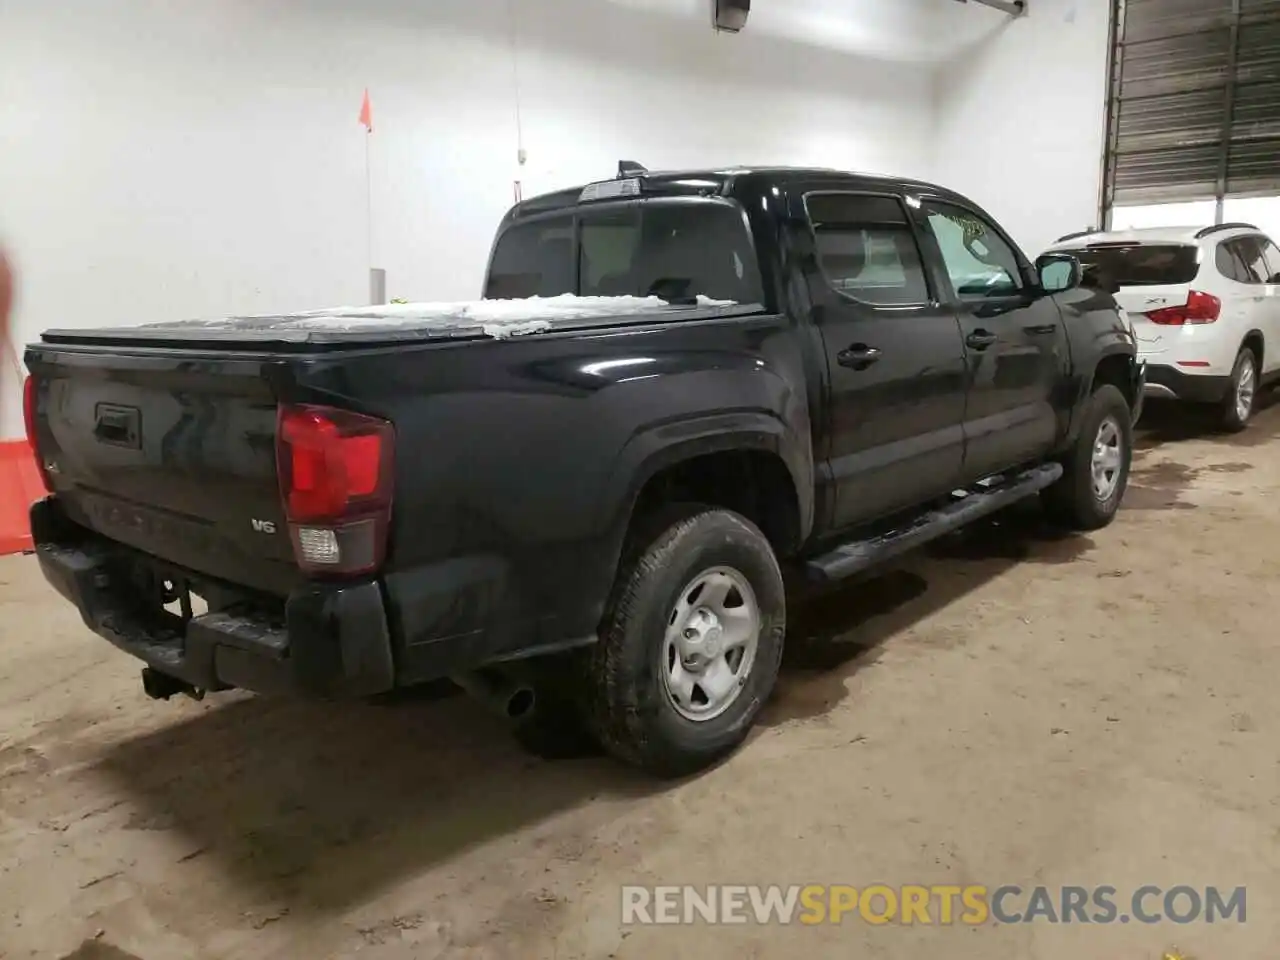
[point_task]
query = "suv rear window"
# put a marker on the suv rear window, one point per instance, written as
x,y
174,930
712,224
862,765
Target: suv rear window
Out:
x,y
1140,264
673,250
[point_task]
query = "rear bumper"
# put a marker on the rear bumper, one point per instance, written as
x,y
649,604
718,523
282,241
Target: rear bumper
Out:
x,y
325,640
1170,383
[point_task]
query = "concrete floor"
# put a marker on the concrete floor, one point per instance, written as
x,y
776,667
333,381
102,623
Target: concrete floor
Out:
x,y
1007,707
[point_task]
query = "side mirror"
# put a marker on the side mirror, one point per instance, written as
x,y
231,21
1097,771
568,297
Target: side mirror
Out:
x,y
1058,272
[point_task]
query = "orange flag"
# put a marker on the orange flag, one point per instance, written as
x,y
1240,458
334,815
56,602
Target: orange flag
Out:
x,y
366,113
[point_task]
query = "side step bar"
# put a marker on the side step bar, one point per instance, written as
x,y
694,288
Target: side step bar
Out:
x,y
988,497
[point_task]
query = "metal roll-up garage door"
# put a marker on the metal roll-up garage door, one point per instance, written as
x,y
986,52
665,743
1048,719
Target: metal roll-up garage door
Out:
x,y
1193,106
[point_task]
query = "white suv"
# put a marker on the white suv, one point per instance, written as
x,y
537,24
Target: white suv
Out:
x,y
1205,307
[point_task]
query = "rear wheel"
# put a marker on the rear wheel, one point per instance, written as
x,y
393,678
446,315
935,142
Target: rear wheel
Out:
x,y
1237,405
1096,471
690,645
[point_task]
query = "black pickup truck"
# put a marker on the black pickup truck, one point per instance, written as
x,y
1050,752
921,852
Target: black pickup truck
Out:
x,y
676,386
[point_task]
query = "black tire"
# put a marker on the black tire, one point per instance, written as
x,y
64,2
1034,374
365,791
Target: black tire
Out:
x,y
1230,417
627,704
1072,501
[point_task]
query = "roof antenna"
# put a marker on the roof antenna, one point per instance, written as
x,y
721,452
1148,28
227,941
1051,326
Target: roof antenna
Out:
x,y
629,168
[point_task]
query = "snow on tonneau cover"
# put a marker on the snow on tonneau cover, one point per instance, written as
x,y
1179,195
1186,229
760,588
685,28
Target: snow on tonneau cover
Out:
x,y
498,319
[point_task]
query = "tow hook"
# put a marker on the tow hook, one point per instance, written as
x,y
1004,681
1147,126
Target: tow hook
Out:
x,y
161,686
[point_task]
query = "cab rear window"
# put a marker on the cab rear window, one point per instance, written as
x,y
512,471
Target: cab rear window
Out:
x,y
677,251
1140,264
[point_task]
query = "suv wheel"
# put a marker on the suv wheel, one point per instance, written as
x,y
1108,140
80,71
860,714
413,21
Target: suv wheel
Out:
x,y
1242,393
1096,471
690,645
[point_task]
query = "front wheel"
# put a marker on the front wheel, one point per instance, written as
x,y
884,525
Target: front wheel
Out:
x,y
1096,471
1237,405
690,645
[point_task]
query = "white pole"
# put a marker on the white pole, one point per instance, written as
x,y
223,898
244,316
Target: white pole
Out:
x,y
368,206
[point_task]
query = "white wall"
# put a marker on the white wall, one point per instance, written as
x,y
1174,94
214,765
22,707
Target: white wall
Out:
x,y
1021,117
202,157
186,158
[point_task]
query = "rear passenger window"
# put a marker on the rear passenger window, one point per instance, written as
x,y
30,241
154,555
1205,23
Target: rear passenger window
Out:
x,y
1272,254
1250,252
1229,263
866,248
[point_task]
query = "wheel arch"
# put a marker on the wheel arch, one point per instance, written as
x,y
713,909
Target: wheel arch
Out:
x,y
706,458
1256,342
1117,365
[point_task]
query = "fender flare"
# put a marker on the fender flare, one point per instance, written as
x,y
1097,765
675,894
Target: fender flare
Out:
x,y
662,445
1255,332
1117,348
1111,350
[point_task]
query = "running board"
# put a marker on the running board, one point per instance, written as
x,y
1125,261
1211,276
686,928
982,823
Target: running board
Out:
x,y
987,497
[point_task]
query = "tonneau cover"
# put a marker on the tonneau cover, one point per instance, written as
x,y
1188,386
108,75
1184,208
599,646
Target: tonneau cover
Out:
x,y
346,326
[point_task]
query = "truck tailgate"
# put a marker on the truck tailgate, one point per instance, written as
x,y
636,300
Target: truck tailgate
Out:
x,y
171,454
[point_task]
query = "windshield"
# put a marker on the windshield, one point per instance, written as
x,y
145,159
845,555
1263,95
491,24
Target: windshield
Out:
x,y
1139,264
676,251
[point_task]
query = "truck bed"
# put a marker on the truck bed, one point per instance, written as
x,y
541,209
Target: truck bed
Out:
x,y
163,437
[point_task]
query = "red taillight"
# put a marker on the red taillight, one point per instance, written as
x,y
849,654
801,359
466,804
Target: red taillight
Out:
x,y
1199,308
336,481
30,411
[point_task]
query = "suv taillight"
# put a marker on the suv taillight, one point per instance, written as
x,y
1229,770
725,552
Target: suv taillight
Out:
x,y
1199,308
30,412
336,481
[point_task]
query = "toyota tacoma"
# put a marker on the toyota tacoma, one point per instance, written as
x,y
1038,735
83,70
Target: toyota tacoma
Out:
x,y
674,387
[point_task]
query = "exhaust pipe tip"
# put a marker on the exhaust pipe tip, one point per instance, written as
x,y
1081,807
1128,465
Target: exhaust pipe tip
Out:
x,y
521,702
499,692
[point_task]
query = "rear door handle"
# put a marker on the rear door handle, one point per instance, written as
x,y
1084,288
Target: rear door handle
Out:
x,y
981,339
859,356
1041,328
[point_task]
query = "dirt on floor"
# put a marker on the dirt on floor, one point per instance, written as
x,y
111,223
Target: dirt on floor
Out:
x,y
1009,706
